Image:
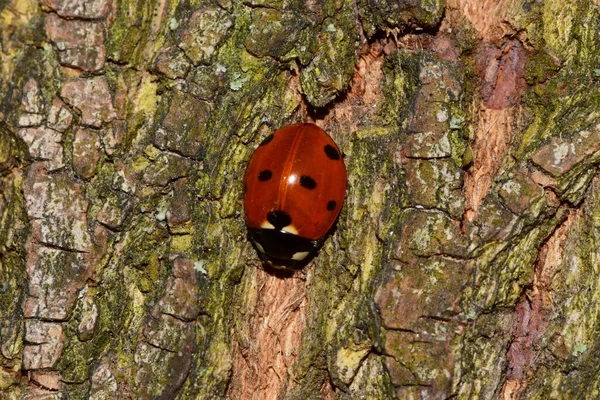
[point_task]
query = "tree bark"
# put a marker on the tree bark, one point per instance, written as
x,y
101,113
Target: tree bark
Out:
x,y
465,260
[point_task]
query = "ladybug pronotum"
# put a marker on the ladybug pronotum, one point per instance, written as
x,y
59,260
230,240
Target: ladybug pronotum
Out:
x,y
294,189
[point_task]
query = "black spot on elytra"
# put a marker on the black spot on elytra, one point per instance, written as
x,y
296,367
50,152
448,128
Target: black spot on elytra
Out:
x,y
279,219
308,182
331,152
265,175
266,140
331,205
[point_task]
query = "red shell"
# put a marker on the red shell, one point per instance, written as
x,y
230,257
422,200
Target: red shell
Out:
x,y
298,171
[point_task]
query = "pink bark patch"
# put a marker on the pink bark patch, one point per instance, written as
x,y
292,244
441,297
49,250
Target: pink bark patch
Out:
x,y
80,43
88,9
92,97
503,74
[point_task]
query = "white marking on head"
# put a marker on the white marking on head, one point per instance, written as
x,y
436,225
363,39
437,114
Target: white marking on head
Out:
x,y
300,255
290,229
267,225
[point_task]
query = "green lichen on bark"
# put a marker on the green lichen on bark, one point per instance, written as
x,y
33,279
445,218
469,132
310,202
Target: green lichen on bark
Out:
x,y
382,15
274,33
405,298
14,229
556,107
341,329
130,37
329,73
569,340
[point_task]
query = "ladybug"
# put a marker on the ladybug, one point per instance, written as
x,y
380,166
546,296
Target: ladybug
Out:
x,y
294,189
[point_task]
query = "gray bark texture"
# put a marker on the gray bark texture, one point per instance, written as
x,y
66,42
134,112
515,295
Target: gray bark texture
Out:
x,y
464,264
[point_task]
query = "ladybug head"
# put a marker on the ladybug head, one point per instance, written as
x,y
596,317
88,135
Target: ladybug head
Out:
x,y
282,248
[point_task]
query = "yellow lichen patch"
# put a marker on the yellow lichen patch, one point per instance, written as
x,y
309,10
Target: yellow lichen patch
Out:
x,y
219,359
558,17
185,229
331,328
371,261
348,359
17,14
12,17
181,243
372,131
7,378
146,98
138,300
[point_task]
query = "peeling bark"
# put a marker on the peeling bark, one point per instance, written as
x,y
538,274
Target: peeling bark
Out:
x,y
270,329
